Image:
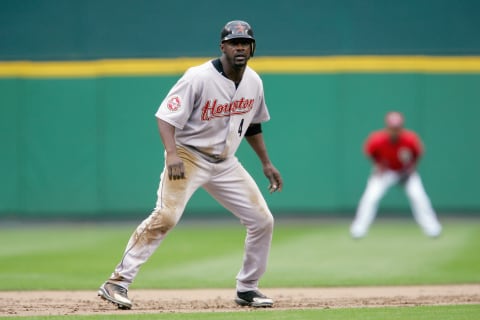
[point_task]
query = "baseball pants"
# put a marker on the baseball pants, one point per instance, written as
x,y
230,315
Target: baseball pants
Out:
x,y
377,186
233,187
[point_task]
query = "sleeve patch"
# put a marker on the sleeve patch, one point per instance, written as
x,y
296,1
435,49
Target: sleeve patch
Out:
x,y
174,103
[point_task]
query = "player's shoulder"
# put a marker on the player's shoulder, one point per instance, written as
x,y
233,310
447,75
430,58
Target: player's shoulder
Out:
x,y
378,135
374,141
199,74
249,72
376,138
409,134
198,69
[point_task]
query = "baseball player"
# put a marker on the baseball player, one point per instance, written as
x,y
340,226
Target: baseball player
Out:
x,y
202,121
395,152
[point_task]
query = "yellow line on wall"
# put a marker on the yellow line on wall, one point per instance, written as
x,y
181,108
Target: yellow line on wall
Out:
x,y
278,65
369,64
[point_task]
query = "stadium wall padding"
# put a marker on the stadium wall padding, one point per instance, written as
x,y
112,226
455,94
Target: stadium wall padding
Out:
x,y
87,145
90,146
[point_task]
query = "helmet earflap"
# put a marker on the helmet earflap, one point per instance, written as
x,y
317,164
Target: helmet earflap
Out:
x,y
252,48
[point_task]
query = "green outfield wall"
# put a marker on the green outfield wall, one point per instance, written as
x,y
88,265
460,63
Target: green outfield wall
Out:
x,y
80,81
90,146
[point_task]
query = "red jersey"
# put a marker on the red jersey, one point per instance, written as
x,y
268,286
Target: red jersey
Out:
x,y
395,155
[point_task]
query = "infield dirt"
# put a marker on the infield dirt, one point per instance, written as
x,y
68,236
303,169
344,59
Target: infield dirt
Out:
x,y
30,303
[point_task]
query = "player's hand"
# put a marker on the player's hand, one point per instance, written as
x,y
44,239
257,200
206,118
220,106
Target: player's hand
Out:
x,y
273,175
175,167
405,175
378,169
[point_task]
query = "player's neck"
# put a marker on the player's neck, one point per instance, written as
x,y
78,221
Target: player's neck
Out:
x,y
234,73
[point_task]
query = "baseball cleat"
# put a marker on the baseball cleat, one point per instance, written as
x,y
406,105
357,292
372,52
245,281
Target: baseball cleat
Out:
x,y
253,299
115,294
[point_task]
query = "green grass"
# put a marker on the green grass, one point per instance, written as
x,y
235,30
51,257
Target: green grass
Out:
x,y
462,312
198,255
204,254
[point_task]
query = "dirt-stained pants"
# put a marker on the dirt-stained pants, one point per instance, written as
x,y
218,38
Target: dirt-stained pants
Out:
x,y
233,187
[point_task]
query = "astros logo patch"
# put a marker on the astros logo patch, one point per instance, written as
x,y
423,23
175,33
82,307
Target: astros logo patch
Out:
x,y
174,103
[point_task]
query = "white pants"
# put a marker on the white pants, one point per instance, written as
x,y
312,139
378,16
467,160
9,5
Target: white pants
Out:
x,y
377,185
233,187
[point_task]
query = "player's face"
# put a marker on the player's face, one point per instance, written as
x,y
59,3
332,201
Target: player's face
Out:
x,y
237,51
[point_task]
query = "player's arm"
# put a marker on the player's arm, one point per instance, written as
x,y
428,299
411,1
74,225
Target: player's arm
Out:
x,y
416,148
371,150
173,162
258,145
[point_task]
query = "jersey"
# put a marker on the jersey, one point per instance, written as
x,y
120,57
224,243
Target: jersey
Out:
x,y
394,155
211,114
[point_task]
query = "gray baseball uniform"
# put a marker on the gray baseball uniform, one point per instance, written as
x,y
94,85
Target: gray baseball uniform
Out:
x,y
211,116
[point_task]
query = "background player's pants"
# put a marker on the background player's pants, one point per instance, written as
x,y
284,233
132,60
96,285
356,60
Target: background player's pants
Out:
x,y
232,186
377,185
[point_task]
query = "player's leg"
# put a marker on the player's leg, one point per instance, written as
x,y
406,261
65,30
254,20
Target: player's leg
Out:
x,y
377,185
421,206
172,196
236,190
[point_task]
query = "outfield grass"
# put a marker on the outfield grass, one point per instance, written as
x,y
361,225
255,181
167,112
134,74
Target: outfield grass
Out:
x,y
463,312
202,255
199,255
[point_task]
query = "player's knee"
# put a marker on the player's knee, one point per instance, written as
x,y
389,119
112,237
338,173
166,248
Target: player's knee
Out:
x,y
416,195
162,222
266,223
372,199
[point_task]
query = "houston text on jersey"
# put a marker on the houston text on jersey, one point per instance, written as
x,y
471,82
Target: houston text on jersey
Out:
x,y
213,110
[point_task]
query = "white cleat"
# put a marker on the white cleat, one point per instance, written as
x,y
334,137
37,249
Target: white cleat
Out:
x,y
253,299
115,294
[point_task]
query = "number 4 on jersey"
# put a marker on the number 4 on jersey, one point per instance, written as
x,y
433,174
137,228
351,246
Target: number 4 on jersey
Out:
x,y
240,128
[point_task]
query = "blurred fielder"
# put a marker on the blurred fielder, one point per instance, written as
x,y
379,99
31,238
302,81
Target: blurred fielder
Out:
x,y
395,152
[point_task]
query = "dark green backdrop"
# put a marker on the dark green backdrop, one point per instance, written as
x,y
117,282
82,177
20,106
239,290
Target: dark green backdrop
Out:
x,y
92,29
90,147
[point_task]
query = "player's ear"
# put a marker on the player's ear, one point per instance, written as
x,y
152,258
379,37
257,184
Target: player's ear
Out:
x,y
222,46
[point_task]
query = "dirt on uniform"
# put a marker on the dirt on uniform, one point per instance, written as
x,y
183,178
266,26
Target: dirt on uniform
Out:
x,y
30,303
